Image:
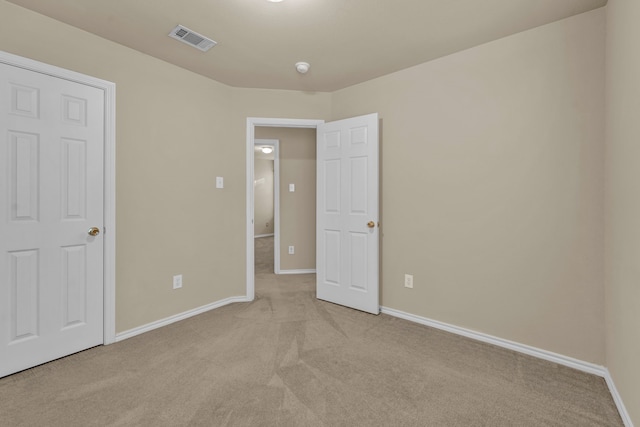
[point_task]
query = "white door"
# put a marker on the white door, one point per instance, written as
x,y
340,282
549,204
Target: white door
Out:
x,y
347,213
51,194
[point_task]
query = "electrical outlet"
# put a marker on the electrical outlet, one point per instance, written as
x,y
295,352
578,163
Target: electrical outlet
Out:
x,y
292,250
177,281
408,280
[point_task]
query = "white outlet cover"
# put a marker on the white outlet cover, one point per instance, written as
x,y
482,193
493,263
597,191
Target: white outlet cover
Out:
x,y
219,182
408,281
292,188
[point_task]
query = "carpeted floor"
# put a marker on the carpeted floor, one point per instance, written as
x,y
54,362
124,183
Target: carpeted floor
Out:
x,y
263,249
287,359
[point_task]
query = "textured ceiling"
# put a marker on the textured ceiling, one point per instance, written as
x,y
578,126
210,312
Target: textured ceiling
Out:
x,y
345,41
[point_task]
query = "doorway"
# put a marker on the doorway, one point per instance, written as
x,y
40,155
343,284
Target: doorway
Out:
x,y
294,198
252,123
266,204
347,209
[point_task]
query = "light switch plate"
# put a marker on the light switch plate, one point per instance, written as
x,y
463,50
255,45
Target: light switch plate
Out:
x,y
177,281
219,182
292,188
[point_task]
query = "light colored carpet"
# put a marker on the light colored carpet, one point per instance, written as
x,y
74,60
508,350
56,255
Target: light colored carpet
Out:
x,y
263,249
287,359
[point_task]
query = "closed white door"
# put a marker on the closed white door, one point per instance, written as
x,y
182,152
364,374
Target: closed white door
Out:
x,y
51,194
347,213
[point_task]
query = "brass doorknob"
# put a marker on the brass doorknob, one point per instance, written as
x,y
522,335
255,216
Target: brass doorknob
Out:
x,y
371,224
94,231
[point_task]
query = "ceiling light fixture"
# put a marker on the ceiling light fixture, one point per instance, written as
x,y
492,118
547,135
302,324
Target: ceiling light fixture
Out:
x,y
302,67
267,150
275,1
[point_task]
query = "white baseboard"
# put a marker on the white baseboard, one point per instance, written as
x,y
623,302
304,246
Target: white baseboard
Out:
x,y
626,418
560,359
257,236
177,317
500,342
308,271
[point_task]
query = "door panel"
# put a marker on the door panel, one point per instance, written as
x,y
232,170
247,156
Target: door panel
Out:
x,y
51,270
347,248
74,285
23,318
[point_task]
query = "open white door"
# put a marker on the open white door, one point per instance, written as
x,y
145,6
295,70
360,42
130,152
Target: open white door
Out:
x,y
51,217
347,213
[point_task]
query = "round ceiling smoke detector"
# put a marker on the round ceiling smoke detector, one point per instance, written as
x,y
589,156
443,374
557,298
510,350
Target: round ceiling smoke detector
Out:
x,y
302,67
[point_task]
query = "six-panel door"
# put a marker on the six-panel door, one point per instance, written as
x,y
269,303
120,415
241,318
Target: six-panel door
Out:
x,y
347,213
51,193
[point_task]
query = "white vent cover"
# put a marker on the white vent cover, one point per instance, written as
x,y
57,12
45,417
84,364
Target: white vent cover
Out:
x,y
192,38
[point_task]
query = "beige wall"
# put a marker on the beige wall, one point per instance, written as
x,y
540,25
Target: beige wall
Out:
x,y
623,201
263,197
492,186
167,160
170,217
297,209
492,180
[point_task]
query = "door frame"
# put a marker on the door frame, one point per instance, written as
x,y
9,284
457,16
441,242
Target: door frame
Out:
x,y
252,122
109,88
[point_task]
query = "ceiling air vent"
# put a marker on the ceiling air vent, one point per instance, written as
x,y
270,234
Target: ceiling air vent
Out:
x,y
192,38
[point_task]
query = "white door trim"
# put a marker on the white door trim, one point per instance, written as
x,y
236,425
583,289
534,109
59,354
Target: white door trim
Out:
x,y
109,89
276,199
252,122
